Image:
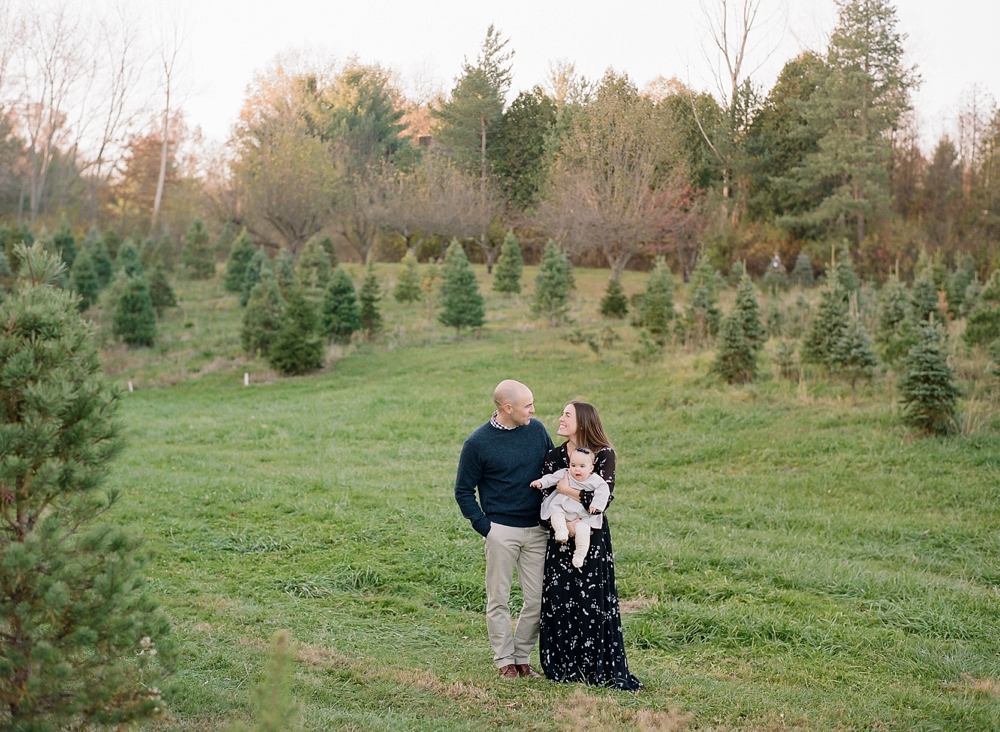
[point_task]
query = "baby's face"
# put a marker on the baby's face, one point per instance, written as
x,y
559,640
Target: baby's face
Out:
x,y
581,466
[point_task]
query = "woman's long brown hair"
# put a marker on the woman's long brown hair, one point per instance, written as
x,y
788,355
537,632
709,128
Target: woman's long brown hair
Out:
x,y
589,431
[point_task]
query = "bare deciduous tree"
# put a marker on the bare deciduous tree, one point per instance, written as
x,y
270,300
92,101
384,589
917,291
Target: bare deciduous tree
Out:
x,y
170,51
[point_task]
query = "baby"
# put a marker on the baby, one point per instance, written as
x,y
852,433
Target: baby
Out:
x,y
557,507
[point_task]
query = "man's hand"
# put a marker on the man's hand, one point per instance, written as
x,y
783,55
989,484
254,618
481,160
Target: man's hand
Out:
x,y
536,484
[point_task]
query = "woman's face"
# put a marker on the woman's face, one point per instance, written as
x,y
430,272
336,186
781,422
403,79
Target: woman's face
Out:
x,y
567,422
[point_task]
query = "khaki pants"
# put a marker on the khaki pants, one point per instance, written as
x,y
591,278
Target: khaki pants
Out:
x,y
508,547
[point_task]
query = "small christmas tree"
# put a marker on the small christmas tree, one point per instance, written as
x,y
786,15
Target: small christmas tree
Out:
x,y
802,273
736,360
240,254
748,310
161,294
462,305
925,299
340,316
331,252
129,260
312,271
701,319
135,321
197,253
65,244
111,242
84,279
736,272
927,389
507,273
166,253
263,317
298,348
102,262
614,304
408,287
224,243
658,302
958,283
552,285
971,299
75,606
370,297
284,272
983,324
827,327
894,334
843,270
995,355
776,321
705,275
852,356
785,358
252,274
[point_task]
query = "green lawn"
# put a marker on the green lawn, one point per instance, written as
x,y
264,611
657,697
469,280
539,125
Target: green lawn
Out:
x,y
790,556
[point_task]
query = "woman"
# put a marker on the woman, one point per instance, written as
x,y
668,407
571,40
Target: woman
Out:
x,y
581,626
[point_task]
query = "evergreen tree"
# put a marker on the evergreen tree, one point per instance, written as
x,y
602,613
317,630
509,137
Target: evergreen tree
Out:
x,y
6,272
552,285
84,280
197,253
614,304
135,321
827,327
785,358
252,274
129,260
111,242
958,283
971,299
149,253
102,262
701,319
705,275
240,254
843,271
224,243
802,273
747,310
166,254
340,314
312,271
925,299
895,334
462,305
507,273
284,272
775,321
298,348
983,324
927,389
736,272
370,297
408,287
65,244
161,294
75,608
852,355
331,252
263,317
657,311
736,360
995,355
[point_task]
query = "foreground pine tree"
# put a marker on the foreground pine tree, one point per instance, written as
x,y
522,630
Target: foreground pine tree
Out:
x,y
298,348
507,272
85,280
408,287
340,316
614,304
240,255
83,645
927,389
736,359
552,285
462,305
197,254
161,294
263,317
134,320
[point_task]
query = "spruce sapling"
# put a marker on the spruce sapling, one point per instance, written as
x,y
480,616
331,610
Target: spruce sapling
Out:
x,y
161,294
129,260
925,299
614,304
298,347
84,279
736,360
370,297
408,286
252,274
134,319
748,311
852,355
462,304
197,253
284,272
263,317
802,273
927,388
340,316
240,254
312,270
552,285
507,272
827,327
658,302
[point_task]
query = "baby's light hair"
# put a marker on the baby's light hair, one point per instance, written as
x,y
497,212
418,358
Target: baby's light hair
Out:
x,y
585,451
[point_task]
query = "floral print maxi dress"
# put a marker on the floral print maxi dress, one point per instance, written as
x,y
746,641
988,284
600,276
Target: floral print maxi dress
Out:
x,y
581,626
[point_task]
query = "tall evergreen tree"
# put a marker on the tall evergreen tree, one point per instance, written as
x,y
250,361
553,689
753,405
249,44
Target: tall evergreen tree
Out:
x,y
84,279
736,360
263,317
802,273
312,270
614,304
747,310
408,286
552,285
298,348
197,253
161,294
827,327
507,274
75,610
657,307
129,260
370,297
462,305
240,254
519,156
925,299
340,315
135,321
927,389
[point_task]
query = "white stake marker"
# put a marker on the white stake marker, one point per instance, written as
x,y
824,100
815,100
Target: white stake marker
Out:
x,y
246,379
130,389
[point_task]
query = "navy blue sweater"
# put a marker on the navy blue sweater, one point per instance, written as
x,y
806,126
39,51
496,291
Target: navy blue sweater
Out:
x,y
502,464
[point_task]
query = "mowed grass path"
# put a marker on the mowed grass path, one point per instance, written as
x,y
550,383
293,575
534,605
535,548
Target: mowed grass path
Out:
x,y
802,566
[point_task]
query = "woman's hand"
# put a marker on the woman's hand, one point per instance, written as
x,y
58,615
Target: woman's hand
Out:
x,y
563,487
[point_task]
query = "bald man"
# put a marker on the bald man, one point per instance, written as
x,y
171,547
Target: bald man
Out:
x,y
500,459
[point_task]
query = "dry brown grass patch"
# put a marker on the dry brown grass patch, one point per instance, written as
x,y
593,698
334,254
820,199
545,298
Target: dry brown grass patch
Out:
x,y
637,604
604,714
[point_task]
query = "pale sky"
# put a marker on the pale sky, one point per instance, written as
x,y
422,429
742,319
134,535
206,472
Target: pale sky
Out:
x,y
954,44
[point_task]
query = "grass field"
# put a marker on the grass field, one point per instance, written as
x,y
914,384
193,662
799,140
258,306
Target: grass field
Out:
x,y
790,557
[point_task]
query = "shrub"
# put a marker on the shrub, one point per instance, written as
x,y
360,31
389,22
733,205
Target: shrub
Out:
x,y
340,316
614,304
197,253
552,285
82,642
240,255
927,389
462,305
134,320
507,273
298,348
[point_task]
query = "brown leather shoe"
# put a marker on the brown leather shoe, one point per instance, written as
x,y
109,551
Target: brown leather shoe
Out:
x,y
524,669
508,672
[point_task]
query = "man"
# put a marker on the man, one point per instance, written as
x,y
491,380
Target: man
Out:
x,y
501,458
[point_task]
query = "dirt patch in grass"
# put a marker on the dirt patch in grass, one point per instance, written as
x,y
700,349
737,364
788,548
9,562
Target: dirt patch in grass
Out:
x,y
604,714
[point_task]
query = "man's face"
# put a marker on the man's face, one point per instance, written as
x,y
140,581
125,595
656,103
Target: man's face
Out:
x,y
522,408
580,466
